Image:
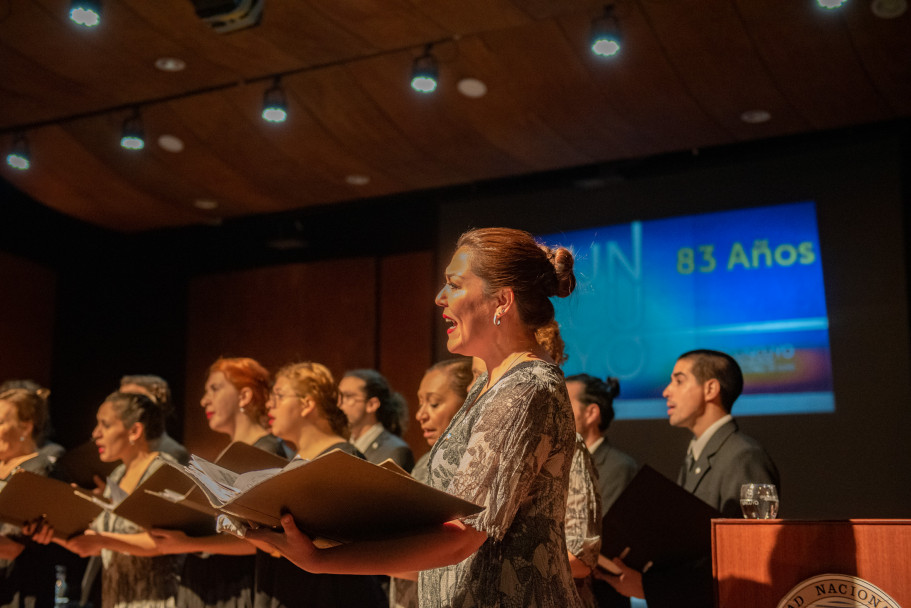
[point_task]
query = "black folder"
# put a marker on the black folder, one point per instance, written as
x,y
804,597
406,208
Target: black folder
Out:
x,y
658,521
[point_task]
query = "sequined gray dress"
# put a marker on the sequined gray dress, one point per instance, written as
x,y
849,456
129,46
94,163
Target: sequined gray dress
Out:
x,y
511,453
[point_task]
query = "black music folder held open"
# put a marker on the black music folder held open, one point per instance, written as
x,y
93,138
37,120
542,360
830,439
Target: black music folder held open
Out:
x,y
658,520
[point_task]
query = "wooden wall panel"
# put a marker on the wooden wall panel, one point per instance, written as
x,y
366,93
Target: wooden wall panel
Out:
x,y
27,321
407,289
321,311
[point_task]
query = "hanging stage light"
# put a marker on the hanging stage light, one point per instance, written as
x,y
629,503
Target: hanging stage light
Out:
x,y
605,39
18,157
275,106
424,73
831,4
133,135
86,12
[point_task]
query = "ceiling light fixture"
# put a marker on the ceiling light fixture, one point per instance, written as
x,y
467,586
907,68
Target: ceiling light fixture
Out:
x,y
205,204
831,4
275,106
133,135
86,12
605,38
755,117
170,64
170,143
18,157
357,179
472,87
424,72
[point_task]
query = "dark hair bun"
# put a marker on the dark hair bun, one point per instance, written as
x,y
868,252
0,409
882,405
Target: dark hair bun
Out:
x,y
562,260
563,267
613,386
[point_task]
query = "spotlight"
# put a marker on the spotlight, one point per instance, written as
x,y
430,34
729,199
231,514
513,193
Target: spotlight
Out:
x,y
275,106
133,135
424,73
831,4
86,12
605,39
18,157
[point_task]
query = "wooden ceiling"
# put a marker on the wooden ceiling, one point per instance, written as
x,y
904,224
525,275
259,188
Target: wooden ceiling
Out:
x,y
688,70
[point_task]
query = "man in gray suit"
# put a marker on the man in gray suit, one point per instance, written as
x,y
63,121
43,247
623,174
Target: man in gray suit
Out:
x,y
593,410
376,417
720,458
704,385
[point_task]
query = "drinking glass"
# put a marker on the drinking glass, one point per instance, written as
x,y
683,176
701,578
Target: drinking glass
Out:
x,y
759,501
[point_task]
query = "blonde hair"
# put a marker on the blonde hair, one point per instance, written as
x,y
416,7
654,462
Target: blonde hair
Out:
x,y
314,380
31,406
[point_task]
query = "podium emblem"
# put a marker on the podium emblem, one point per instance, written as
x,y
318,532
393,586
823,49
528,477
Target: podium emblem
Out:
x,y
836,590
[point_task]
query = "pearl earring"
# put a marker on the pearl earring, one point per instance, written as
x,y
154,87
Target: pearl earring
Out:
x,y
22,438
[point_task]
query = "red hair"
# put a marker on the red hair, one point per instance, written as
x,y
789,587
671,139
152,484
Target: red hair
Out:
x,y
505,257
243,372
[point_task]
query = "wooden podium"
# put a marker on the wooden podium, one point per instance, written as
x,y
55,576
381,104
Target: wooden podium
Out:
x,y
758,562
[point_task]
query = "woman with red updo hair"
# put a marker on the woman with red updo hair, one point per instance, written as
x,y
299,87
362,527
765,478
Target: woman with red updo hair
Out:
x,y
508,448
235,400
236,394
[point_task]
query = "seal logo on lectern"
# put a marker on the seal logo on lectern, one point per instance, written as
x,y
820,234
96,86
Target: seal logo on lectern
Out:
x,y
836,591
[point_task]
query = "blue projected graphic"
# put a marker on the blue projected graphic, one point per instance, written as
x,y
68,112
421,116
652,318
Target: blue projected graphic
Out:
x,y
746,282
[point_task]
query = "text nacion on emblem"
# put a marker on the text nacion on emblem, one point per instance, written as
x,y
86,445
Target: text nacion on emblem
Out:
x,y
836,590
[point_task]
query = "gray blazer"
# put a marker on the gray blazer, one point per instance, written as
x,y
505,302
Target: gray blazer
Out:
x,y
387,445
729,460
615,470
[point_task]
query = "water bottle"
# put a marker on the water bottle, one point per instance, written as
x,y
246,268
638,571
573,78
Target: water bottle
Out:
x,y
60,598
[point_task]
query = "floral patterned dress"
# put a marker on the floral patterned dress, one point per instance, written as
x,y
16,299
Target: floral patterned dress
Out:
x,y
404,593
510,451
583,518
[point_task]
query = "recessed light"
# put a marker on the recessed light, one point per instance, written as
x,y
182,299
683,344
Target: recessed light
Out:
x,y
205,204
171,143
755,117
357,180
287,243
889,9
472,87
170,64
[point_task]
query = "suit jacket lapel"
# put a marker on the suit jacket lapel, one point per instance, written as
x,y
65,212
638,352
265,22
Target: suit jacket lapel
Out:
x,y
704,462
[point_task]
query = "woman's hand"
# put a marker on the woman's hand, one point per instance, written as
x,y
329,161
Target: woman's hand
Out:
x,y
291,543
171,541
87,544
39,531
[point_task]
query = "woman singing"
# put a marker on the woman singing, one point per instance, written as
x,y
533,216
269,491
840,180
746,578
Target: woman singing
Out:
x,y
134,575
509,447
